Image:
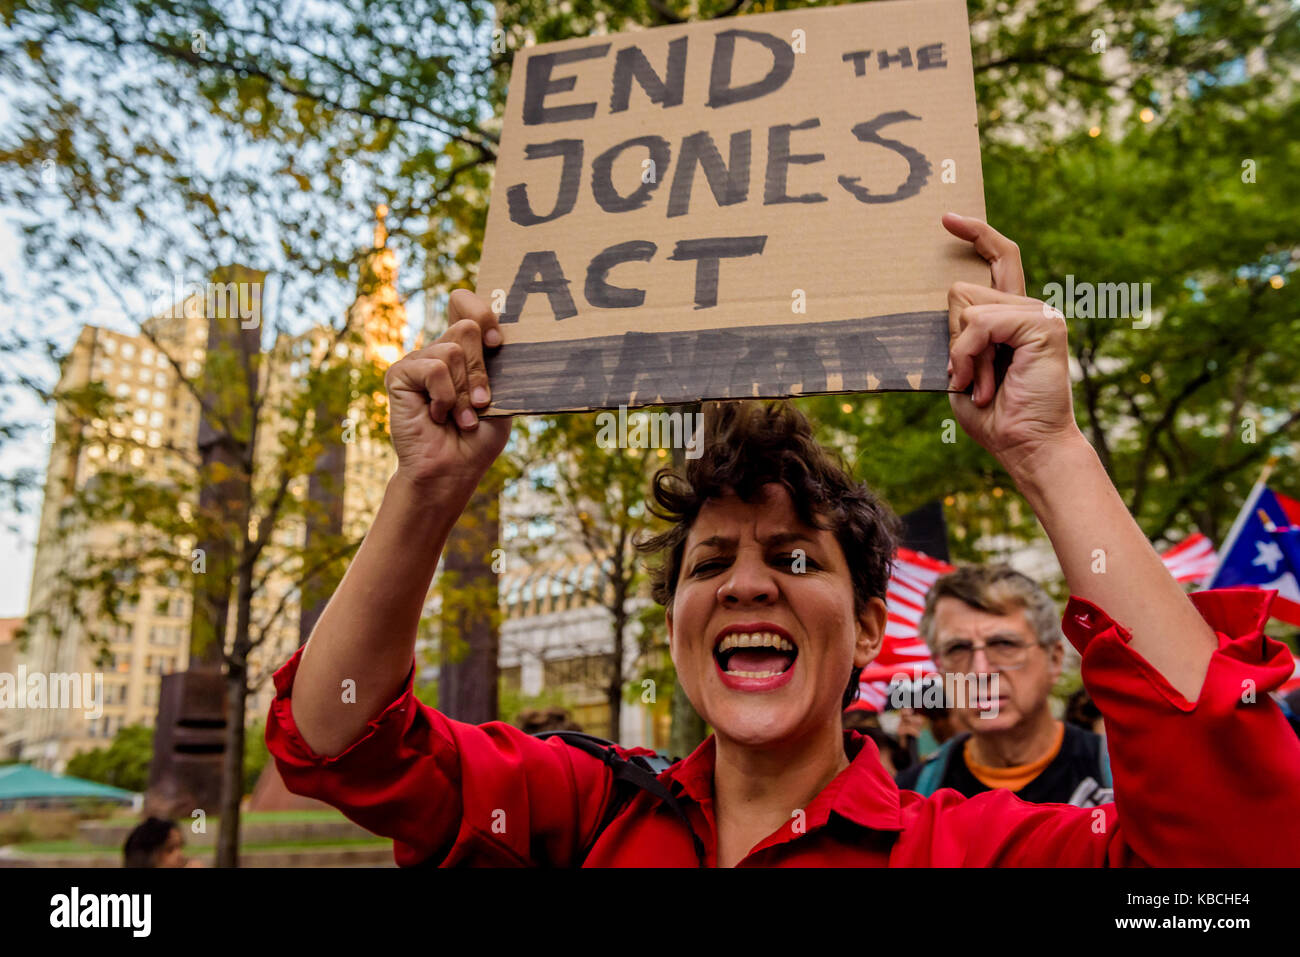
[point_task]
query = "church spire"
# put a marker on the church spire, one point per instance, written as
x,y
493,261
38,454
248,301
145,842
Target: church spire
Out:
x,y
378,310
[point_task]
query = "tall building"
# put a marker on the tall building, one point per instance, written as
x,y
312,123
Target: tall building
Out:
x,y
154,419
152,430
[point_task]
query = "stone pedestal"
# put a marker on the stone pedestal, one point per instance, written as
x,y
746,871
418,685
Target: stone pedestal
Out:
x,y
189,741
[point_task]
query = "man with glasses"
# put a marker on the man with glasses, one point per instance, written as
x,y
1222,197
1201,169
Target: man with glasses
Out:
x,y
996,637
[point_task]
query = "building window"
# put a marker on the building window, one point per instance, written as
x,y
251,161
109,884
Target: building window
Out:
x,y
146,356
109,345
512,678
159,399
128,350
588,671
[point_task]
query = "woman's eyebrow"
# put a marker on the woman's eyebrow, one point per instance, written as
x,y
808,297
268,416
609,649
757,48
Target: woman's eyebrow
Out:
x,y
777,538
715,541
785,538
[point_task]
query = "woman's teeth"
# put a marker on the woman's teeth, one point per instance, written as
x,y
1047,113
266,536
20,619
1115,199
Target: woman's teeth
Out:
x,y
758,639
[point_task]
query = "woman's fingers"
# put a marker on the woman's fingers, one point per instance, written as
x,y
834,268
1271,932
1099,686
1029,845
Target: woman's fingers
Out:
x,y
463,304
1002,254
983,327
452,372
966,299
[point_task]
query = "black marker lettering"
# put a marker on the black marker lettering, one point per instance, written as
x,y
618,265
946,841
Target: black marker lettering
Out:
x,y
919,166
599,292
730,183
707,252
539,84
631,62
602,174
539,272
930,57
859,60
903,58
521,210
779,160
721,92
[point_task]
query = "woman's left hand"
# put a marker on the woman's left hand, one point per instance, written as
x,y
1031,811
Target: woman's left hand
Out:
x,y
1032,407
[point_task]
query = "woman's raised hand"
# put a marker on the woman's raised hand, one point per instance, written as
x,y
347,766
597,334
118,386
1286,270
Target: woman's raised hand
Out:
x,y
433,397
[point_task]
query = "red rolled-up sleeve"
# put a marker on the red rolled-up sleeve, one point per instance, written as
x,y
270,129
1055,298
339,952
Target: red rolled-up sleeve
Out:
x,y
1211,782
1215,781
456,793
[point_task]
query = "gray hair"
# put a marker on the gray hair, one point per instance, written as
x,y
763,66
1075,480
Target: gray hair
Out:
x,y
997,590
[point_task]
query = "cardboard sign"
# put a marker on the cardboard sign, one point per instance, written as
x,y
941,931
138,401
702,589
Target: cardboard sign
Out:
x,y
745,207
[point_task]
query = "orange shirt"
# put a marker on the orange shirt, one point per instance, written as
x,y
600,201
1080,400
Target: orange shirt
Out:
x,y
1017,776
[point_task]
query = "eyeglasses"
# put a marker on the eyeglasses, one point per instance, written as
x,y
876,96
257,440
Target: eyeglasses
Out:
x,y
1004,653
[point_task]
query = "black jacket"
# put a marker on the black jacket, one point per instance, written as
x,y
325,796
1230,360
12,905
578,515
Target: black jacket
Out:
x,y
1079,774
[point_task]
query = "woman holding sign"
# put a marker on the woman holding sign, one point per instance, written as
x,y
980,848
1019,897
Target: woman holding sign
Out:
x,y
1204,774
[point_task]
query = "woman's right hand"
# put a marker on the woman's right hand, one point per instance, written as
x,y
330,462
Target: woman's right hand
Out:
x,y
433,395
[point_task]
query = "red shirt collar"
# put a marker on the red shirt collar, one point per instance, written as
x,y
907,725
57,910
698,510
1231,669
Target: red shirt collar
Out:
x,y
863,793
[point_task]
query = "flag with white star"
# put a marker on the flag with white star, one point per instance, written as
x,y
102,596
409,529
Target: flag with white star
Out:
x,y
1261,549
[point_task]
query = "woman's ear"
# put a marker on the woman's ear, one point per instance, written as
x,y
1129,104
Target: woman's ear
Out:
x,y
871,632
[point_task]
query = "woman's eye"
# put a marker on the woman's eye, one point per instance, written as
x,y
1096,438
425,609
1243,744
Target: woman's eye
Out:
x,y
707,566
796,560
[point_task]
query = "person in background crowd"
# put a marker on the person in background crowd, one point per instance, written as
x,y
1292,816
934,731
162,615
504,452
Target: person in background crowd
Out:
x,y
154,843
922,730
894,755
537,720
1082,713
992,620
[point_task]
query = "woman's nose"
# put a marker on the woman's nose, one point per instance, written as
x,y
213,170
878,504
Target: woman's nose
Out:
x,y
749,580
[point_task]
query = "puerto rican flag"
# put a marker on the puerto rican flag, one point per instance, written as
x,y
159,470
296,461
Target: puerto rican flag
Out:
x,y
1192,560
1261,548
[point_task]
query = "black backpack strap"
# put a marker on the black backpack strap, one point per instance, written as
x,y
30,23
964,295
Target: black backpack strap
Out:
x,y
637,773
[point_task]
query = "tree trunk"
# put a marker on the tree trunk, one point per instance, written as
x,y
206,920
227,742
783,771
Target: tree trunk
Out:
x,y
467,680
615,688
232,778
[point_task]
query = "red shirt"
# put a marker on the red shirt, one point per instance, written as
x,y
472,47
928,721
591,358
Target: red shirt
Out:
x,y
1215,782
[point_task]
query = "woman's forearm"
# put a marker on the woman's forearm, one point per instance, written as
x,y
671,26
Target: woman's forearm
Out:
x,y
1107,560
367,632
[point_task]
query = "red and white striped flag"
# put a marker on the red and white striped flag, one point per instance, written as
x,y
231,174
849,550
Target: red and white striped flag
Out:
x,y
903,651
1191,561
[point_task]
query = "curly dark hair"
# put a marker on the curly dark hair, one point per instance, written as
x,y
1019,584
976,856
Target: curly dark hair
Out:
x,y
748,445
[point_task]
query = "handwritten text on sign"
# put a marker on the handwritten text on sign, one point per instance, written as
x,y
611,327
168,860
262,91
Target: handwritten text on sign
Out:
x,y
733,175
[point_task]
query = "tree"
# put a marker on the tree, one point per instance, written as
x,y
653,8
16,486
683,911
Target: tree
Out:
x,y
596,491
123,764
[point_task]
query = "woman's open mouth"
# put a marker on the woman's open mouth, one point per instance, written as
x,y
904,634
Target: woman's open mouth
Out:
x,y
754,660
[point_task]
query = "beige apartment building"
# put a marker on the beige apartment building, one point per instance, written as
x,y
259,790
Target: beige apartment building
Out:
x,y
153,429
